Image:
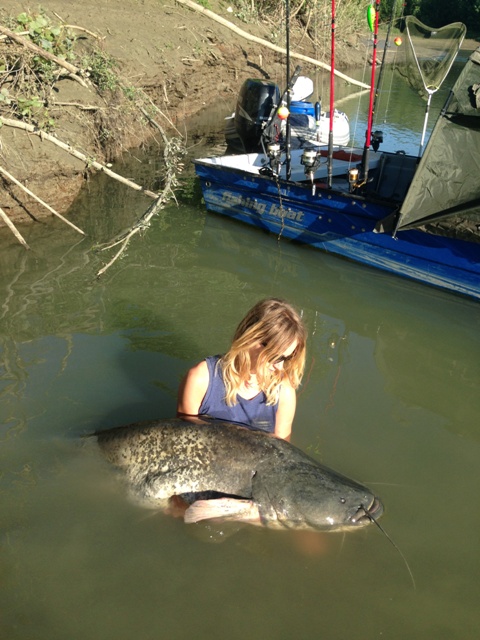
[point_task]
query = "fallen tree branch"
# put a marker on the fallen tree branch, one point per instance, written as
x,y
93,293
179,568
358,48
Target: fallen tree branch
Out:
x,y
174,149
79,105
77,154
265,43
155,124
76,28
47,206
140,225
19,33
13,229
159,111
44,54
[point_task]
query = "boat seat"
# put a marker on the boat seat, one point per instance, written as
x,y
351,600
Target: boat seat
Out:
x,y
393,176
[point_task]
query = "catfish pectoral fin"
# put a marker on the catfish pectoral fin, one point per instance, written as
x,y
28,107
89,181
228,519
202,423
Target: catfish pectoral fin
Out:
x,y
224,508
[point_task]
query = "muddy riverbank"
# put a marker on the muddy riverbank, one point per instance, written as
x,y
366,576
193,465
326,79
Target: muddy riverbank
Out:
x,y
181,60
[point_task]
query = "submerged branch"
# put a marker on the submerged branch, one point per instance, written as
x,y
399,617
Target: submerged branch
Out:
x,y
173,152
13,229
44,204
77,154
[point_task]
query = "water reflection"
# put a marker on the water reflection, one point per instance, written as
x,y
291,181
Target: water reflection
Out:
x,y
406,323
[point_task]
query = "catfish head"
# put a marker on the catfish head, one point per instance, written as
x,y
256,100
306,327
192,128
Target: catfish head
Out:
x,y
310,496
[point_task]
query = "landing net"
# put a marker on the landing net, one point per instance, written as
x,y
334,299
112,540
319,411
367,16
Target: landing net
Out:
x,y
430,54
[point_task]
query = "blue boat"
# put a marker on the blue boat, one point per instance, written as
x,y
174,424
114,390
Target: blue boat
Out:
x,y
417,217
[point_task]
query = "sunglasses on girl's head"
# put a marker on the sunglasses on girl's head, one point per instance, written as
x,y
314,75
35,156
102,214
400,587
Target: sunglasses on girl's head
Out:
x,y
280,358
283,359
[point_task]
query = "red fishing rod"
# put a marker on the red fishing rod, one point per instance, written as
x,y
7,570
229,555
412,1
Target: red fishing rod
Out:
x,y
288,134
332,99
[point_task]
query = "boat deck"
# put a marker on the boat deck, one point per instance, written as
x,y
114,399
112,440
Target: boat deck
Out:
x,y
390,174
252,163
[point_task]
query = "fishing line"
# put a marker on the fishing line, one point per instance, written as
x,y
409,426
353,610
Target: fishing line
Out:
x,y
342,544
372,519
389,92
399,21
387,484
359,102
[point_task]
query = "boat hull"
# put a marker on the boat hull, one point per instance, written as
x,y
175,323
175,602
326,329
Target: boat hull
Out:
x,y
339,223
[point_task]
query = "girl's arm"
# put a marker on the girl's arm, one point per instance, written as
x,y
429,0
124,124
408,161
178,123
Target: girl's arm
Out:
x,y
192,390
286,411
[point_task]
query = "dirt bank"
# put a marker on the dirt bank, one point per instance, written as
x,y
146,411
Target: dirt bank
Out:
x,y
182,60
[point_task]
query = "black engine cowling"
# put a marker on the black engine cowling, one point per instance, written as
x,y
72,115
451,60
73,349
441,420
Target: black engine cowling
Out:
x,y
255,102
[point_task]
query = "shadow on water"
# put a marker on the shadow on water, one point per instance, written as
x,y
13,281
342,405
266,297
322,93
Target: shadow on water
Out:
x,y
389,397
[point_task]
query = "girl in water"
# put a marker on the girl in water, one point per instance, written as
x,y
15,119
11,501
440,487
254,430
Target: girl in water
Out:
x,y
255,382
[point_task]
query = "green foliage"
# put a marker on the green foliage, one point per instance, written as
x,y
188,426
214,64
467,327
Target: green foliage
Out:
x,y
55,39
27,106
130,92
434,13
437,13
101,70
32,109
25,91
399,7
313,15
5,96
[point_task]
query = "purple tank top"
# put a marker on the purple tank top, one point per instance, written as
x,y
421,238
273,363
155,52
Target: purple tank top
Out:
x,y
253,413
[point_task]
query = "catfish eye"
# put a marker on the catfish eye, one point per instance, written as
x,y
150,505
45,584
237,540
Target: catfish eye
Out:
x,y
342,500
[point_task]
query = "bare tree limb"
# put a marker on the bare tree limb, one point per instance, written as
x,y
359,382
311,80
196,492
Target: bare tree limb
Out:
x,y
76,28
79,105
47,206
140,225
13,229
77,154
173,151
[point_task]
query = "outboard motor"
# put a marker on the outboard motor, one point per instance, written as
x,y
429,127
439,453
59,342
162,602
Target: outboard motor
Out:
x,y
255,102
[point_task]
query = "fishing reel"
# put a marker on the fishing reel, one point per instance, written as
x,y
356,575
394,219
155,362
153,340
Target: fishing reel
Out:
x,y
376,139
311,161
353,175
274,153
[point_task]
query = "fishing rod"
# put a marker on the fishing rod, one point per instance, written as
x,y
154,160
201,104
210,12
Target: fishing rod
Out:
x,y
268,136
373,15
274,152
288,134
332,101
384,56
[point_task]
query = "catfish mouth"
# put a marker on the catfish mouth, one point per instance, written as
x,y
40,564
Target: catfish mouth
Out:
x,y
367,514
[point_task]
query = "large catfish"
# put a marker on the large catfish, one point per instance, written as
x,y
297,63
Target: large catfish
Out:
x,y
245,475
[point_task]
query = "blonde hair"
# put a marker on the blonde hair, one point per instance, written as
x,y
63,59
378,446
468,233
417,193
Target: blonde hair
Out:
x,y
275,325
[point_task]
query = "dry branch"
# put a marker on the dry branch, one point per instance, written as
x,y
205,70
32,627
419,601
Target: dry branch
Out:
x,y
264,43
13,229
44,204
77,154
172,153
76,28
140,225
44,54
79,105
159,111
